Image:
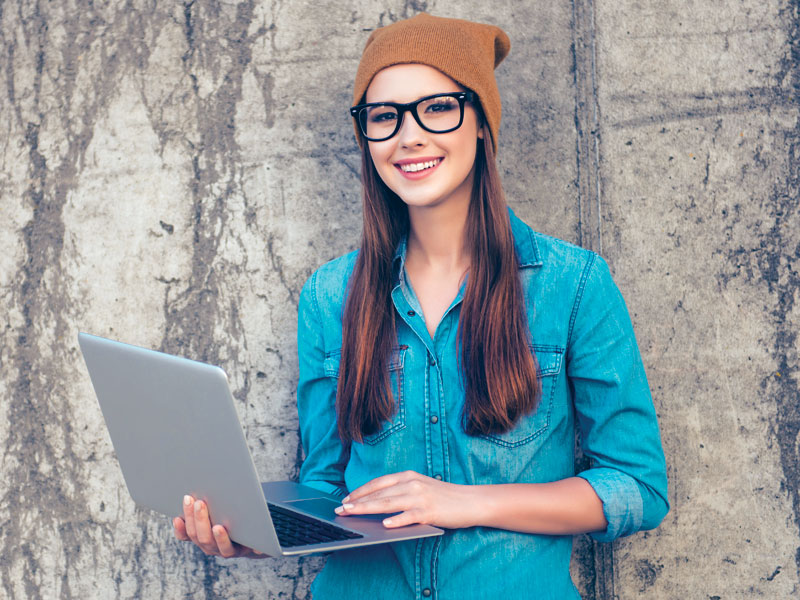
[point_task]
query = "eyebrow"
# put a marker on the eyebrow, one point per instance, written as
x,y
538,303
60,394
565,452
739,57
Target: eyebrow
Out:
x,y
414,100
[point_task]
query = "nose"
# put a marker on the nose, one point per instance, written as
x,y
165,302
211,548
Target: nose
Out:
x,y
411,134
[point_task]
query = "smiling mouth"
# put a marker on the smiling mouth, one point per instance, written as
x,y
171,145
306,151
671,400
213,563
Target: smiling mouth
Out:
x,y
420,166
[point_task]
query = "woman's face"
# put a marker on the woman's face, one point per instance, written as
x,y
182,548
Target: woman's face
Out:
x,y
451,154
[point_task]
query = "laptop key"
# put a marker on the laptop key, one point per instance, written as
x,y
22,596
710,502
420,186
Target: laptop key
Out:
x,y
294,529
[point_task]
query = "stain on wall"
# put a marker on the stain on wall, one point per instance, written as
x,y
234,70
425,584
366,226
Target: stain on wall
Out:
x,y
171,174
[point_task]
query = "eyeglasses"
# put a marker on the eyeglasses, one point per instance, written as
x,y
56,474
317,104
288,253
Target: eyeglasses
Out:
x,y
440,113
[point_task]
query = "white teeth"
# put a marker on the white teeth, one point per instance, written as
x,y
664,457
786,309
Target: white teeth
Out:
x,y
414,167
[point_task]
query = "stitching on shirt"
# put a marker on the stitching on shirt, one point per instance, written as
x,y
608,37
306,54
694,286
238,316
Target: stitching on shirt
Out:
x,y
443,430
418,560
549,349
427,428
536,434
399,420
435,567
579,295
314,301
331,366
547,375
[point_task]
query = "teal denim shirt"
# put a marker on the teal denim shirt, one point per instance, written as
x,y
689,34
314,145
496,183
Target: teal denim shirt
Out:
x,y
592,379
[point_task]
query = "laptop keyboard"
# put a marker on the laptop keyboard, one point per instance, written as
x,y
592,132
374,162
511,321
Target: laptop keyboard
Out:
x,y
294,529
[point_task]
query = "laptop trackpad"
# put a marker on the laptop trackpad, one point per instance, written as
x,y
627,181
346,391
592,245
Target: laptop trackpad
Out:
x,y
321,507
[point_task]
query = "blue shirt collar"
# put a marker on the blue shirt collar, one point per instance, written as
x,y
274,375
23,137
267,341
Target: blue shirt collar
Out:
x,y
524,242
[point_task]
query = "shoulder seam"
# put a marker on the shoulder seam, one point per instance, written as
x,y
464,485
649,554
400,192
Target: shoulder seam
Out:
x,y
314,301
579,296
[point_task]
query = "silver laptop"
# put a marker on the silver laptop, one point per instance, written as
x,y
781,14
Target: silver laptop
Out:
x,y
175,431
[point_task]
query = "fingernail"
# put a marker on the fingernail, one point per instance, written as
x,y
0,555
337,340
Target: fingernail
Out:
x,y
387,522
347,506
346,498
187,500
198,505
338,509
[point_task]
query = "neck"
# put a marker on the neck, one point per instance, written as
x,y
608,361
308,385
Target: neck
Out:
x,y
436,235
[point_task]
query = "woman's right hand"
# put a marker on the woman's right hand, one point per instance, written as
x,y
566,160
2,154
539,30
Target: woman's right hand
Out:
x,y
195,526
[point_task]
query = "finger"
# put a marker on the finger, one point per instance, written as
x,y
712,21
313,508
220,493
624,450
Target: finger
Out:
x,y
379,483
228,548
389,504
408,517
188,517
202,526
411,489
179,526
411,485
367,496
224,543
370,487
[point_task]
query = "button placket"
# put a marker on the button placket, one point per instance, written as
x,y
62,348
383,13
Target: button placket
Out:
x,y
427,554
406,312
434,434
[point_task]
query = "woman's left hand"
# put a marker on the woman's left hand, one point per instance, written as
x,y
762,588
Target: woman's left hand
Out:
x,y
418,499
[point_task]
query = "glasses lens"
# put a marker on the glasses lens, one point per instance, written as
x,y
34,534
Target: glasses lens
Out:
x,y
440,114
378,121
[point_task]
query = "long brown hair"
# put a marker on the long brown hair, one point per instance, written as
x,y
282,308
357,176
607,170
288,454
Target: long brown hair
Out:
x,y
498,369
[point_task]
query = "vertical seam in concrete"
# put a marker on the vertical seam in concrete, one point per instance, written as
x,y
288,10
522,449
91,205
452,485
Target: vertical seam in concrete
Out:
x,y
596,127
783,280
589,199
587,125
578,125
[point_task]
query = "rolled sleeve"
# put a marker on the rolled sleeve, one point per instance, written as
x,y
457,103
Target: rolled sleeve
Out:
x,y
323,467
614,409
622,502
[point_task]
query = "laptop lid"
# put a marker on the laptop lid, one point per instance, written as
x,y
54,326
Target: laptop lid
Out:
x,y
173,436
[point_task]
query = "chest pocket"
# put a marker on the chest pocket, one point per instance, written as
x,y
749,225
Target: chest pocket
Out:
x,y
532,426
398,419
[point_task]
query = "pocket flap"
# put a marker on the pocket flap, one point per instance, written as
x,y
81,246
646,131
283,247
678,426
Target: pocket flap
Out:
x,y
548,358
331,363
334,358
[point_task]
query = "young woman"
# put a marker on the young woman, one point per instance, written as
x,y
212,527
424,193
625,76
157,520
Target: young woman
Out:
x,y
445,365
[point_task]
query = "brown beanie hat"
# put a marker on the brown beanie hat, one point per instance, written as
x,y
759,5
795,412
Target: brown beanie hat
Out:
x,y
465,51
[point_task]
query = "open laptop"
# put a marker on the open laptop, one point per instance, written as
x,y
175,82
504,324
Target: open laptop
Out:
x,y
175,431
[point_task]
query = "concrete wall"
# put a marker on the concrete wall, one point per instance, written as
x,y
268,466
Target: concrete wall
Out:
x,y
172,173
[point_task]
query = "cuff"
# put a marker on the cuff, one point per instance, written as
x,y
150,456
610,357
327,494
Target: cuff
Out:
x,y
622,502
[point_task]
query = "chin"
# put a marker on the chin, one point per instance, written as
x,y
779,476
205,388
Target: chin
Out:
x,y
427,195
421,199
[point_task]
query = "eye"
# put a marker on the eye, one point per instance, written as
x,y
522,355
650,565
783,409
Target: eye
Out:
x,y
441,105
382,115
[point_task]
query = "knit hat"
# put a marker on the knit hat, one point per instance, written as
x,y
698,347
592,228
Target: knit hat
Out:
x,y
465,51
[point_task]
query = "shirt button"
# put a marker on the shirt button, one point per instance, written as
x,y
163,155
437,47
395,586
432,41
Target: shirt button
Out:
x,y
433,361
426,592
411,313
434,419
439,477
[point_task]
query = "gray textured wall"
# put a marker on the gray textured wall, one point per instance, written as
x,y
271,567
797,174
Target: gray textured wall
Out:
x,y
171,173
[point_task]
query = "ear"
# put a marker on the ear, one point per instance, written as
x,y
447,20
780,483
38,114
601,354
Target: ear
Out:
x,y
483,128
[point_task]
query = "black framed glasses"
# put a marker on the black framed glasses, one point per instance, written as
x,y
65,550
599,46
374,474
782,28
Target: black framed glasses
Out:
x,y
439,113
